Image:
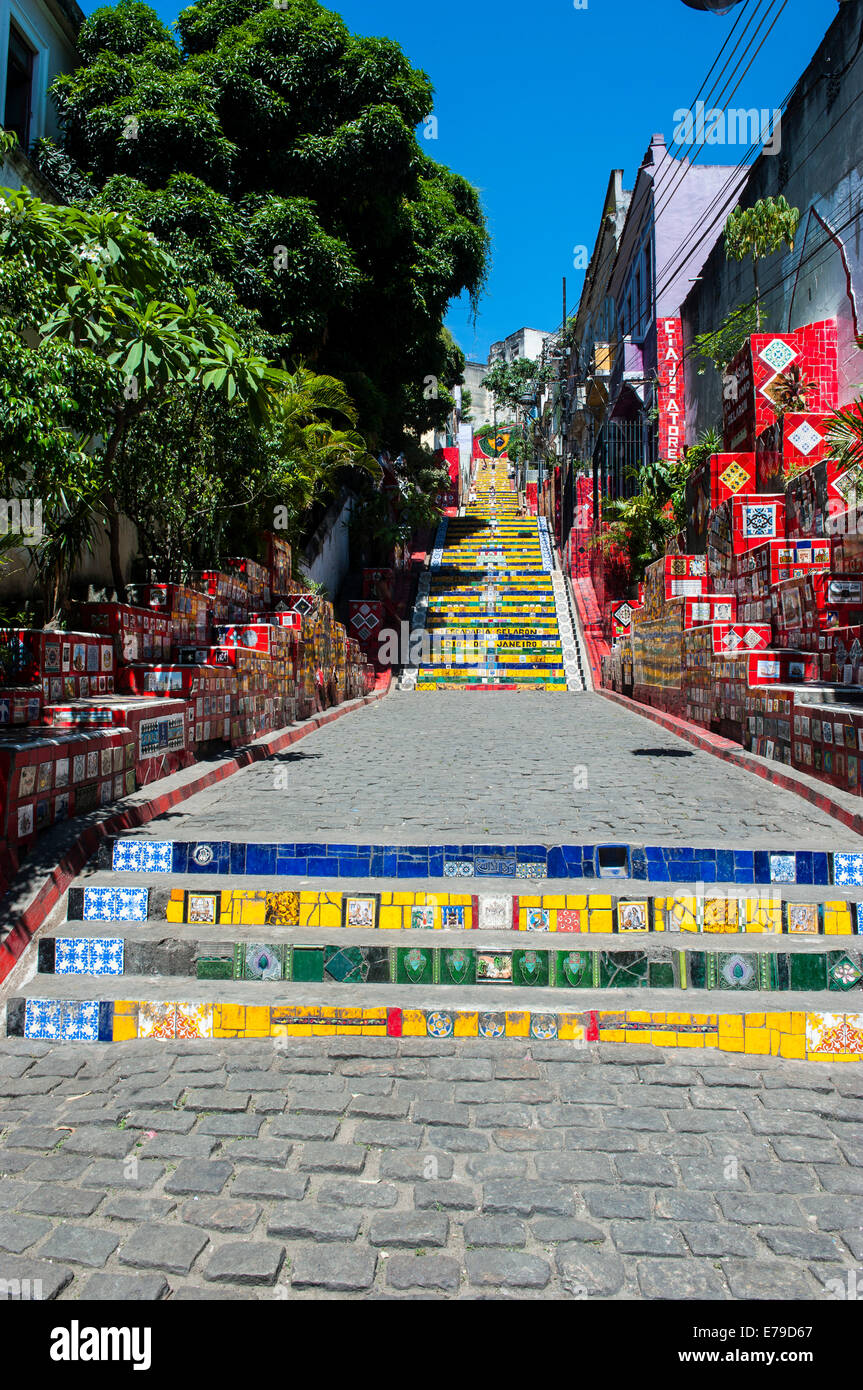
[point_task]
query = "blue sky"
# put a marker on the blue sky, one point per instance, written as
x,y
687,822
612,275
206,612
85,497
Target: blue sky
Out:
x,y
536,103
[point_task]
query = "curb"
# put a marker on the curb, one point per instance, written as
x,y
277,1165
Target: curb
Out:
x,y
731,752
53,884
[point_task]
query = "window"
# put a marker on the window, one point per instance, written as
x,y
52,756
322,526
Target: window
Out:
x,y
648,283
19,87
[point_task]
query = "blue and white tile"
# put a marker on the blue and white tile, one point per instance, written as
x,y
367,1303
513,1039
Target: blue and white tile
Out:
x,y
848,870
71,955
132,904
100,904
783,868
457,868
126,855
157,856
42,1019
80,1022
106,955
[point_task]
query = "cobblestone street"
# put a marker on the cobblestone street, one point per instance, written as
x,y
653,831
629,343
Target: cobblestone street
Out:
x,y
531,766
369,1168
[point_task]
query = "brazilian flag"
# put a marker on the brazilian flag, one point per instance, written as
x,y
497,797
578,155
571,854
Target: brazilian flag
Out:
x,y
495,445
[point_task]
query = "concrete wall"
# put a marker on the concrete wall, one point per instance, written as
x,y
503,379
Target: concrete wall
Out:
x,y
326,558
819,169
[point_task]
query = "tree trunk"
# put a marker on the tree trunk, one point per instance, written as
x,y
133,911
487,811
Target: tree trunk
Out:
x,y
116,562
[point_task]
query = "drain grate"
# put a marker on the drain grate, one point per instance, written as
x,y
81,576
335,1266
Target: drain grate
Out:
x,y
662,753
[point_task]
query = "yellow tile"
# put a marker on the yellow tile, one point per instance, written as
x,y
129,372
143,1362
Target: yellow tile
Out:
x,y
730,1043
413,1023
300,1030
663,1038
780,1021
711,1040
798,1023
405,899
600,921
460,899
612,1035
257,1021
657,1018
125,1026
634,1035
527,900
253,914
690,1039
174,912
600,900
373,1030
843,924
517,1025
638,1017
757,1041
678,1018
391,918
576,900
731,1025
466,1025
555,900
569,1027
755,1021
331,916
704,1020
231,1016
831,927
386,899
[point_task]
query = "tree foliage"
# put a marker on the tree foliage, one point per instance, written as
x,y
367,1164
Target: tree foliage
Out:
x,y
276,153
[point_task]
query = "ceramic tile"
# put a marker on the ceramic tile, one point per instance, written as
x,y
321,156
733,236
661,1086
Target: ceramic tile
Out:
x,y
452,916
71,955
157,856
633,916
126,855
539,918
802,919
194,1020
106,955
422,918
570,919
491,1025
80,1022
42,1019
494,967
360,910
494,913
255,960
848,869
439,1024
101,905
131,904
543,1027
283,909
202,908
414,965
157,1019
783,868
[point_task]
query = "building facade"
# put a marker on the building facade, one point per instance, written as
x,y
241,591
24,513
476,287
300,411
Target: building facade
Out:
x,y
37,43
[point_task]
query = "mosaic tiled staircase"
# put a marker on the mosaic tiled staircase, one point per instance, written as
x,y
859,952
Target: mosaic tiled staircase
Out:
x,y
194,940
492,604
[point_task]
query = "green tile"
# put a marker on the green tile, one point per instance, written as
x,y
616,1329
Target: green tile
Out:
x,y
844,970
622,969
575,969
660,974
737,970
456,967
700,969
214,968
308,964
530,968
414,965
808,971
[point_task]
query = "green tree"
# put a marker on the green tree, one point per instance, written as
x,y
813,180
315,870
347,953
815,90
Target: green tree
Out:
x,y
276,152
759,231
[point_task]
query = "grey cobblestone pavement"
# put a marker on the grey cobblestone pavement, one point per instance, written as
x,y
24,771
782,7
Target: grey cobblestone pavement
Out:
x,y
430,766
377,1168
